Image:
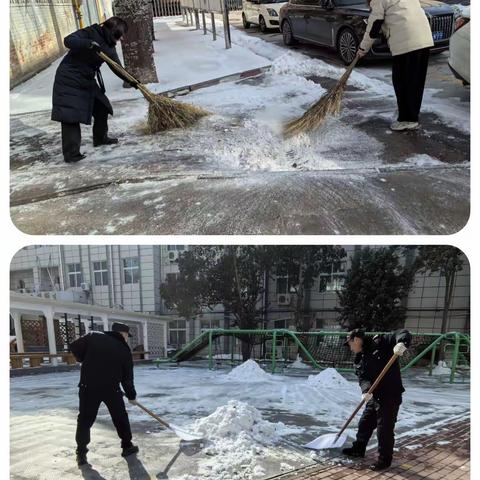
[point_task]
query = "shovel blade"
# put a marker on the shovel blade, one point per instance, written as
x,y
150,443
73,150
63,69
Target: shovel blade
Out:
x,y
184,434
327,441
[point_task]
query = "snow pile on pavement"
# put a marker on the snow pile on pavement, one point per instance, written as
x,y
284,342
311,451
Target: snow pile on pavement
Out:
x,y
422,160
248,371
238,440
328,378
441,369
299,364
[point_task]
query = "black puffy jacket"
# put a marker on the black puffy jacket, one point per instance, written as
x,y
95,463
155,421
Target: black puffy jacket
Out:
x,y
106,362
376,353
75,87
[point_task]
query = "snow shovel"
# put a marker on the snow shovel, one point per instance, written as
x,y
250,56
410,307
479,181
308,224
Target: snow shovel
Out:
x,y
332,440
178,431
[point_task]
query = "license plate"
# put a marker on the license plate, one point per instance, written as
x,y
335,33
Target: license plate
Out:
x,y
437,36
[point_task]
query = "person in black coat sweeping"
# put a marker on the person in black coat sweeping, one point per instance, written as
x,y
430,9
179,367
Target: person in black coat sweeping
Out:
x,y
106,363
76,94
381,407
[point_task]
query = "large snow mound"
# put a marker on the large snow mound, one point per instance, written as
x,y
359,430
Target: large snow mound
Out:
x,y
328,378
237,418
239,438
248,371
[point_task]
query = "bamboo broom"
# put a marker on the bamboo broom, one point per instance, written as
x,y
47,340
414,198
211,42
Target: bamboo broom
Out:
x,y
329,104
163,112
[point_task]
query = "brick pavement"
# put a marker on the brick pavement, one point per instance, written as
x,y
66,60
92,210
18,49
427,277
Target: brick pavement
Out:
x,y
444,455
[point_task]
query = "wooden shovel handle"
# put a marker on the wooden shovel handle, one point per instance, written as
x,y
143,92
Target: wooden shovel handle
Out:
x,y
371,389
156,417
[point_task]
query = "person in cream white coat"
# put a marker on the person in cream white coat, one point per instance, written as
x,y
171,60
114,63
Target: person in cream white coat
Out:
x,y
406,27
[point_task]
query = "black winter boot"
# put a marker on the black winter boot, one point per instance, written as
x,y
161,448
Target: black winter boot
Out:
x,y
129,450
105,141
357,451
380,464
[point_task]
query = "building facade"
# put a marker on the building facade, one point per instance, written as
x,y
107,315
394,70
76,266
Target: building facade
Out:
x,y
129,277
38,27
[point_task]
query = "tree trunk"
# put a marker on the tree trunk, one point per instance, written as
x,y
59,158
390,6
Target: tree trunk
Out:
x,y
137,43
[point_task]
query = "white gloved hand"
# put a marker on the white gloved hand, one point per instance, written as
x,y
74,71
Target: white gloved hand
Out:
x,y
132,402
399,349
367,397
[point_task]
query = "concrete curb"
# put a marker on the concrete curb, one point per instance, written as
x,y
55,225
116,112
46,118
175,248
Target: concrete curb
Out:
x,y
184,90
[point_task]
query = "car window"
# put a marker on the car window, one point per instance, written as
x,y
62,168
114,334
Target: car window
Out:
x,y
305,2
344,3
272,1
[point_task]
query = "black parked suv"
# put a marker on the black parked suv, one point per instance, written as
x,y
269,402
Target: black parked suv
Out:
x,y
340,24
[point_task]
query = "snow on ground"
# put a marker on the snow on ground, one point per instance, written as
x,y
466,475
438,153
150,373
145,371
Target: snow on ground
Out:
x,y
328,378
249,371
299,364
252,428
441,369
182,58
238,437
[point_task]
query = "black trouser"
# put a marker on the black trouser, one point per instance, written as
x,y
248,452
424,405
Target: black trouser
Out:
x,y
90,400
71,133
381,415
409,72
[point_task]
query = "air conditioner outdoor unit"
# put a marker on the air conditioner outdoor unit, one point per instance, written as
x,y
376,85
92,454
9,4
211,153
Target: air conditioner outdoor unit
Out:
x,y
283,299
85,287
173,255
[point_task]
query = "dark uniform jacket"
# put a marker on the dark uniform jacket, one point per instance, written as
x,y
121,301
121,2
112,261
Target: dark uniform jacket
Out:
x,y
106,362
75,87
376,353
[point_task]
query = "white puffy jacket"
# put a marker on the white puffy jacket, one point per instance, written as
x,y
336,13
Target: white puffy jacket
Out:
x,y
405,25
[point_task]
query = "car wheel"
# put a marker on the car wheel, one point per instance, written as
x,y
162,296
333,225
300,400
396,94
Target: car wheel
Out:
x,y
287,34
263,24
347,45
244,21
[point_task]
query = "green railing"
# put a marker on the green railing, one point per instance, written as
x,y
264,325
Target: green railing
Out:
x,y
322,349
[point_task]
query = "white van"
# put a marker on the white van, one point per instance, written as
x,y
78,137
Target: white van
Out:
x,y
264,13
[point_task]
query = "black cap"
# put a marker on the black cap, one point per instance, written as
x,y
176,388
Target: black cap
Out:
x,y
357,332
121,327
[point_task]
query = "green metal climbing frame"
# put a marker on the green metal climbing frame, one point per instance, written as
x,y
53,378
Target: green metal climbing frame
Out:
x,y
278,348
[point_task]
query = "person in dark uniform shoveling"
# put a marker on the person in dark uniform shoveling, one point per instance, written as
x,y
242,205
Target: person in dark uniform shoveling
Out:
x,y
76,94
381,407
106,363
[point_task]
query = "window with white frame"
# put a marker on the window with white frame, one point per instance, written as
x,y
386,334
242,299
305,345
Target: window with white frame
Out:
x,y
177,333
131,270
75,277
100,273
335,278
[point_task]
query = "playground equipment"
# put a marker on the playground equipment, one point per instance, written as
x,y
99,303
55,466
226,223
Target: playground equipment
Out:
x,y
276,349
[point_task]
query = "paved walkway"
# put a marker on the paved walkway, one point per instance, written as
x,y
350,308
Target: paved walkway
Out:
x,y
442,456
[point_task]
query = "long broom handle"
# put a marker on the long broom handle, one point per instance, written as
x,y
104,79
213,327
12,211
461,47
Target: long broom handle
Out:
x,y
348,71
116,66
371,389
155,416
